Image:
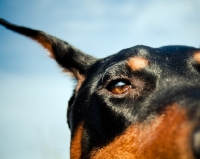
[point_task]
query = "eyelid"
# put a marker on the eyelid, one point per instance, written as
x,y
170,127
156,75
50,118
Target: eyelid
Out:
x,y
104,74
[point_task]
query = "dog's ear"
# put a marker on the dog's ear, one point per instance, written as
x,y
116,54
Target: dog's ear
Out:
x,y
67,56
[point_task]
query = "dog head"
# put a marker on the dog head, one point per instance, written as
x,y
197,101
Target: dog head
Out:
x,y
141,102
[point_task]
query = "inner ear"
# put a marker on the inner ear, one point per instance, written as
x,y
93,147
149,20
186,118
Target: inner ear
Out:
x,y
81,79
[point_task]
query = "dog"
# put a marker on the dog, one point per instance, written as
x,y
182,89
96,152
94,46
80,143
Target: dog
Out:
x,y
140,103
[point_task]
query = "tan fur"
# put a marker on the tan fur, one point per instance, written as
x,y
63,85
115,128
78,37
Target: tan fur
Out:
x,y
196,57
166,137
137,63
75,149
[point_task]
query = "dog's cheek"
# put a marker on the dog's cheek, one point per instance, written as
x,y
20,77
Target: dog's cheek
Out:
x,y
166,136
75,148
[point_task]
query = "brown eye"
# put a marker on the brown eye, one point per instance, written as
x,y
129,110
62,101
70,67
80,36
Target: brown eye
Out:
x,y
119,86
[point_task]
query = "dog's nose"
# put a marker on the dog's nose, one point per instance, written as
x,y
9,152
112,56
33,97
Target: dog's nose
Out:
x,y
196,142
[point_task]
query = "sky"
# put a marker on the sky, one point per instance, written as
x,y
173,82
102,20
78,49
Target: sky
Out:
x,y
33,90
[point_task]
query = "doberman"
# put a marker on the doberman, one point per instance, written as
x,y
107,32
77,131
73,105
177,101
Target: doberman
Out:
x,y
140,103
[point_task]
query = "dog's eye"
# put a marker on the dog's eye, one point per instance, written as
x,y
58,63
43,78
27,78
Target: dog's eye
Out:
x,y
119,86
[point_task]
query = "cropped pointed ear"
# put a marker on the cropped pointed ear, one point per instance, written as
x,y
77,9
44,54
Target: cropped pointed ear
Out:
x,y
67,56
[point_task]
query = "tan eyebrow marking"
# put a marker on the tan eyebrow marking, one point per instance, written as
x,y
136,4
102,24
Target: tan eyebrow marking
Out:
x,y
196,57
137,63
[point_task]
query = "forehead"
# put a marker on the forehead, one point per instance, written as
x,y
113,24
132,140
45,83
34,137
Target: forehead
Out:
x,y
171,52
139,57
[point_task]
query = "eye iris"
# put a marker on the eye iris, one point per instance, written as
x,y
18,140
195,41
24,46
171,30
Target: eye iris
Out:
x,y
120,87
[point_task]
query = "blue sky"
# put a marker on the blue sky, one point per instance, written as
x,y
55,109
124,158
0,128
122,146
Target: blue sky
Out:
x,y
33,90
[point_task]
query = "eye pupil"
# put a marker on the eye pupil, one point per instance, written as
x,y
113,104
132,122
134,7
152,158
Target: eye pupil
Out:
x,y
119,86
